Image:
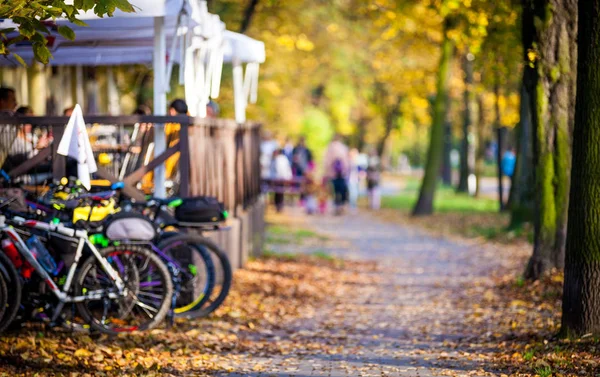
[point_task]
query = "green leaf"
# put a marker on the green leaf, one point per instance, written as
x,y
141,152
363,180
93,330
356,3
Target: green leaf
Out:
x,y
19,59
27,30
40,27
69,10
54,12
14,40
38,38
124,5
78,22
66,32
41,52
2,49
87,4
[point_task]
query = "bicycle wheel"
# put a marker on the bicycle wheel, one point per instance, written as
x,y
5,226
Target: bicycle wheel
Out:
x,y
222,274
196,276
149,290
3,296
13,285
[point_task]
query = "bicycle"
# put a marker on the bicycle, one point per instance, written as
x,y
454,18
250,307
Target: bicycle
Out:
x,y
186,255
118,289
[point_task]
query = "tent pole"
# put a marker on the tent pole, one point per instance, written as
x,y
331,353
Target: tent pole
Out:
x,y
238,91
79,91
113,93
160,101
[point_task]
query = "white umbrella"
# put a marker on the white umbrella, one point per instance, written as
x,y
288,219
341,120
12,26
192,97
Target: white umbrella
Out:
x,y
75,143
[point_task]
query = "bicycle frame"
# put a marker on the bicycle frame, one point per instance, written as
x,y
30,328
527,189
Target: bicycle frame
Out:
x,y
81,235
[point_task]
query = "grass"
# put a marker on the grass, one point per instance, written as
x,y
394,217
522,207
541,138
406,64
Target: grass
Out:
x,y
457,213
528,355
277,234
321,254
446,200
270,254
543,371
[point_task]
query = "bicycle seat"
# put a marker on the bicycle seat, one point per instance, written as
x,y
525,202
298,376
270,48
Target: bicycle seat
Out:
x,y
169,202
98,196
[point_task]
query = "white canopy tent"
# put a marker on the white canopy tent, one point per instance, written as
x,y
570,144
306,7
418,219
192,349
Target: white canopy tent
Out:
x,y
141,38
229,47
155,19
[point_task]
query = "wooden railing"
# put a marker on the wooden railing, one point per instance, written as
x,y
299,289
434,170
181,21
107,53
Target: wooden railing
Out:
x,y
216,157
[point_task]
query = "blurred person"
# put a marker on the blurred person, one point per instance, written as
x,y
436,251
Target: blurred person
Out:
x,y
142,110
268,145
25,146
26,142
311,192
8,104
178,107
302,158
288,149
373,180
280,170
353,178
509,160
8,101
508,163
337,168
302,163
212,109
68,111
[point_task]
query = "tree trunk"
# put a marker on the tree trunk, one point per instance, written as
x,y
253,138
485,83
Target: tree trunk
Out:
x,y
521,206
480,150
361,133
391,117
581,298
553,100
424,205
465,168
501,138
500,131
248,14
447,160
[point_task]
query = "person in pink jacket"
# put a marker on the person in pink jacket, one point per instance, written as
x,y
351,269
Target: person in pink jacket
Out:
x,y
336,170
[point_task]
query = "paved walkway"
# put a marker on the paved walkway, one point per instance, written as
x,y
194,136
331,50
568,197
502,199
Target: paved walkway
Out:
x,y
409,323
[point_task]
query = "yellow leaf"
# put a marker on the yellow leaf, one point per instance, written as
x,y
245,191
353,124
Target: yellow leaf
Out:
x,y
82,352
518,303
98,357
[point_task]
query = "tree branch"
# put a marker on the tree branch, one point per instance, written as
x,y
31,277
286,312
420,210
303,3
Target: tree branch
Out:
x,y
248,13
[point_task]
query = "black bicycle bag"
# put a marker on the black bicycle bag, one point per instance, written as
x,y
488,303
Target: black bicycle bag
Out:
x,y
200,209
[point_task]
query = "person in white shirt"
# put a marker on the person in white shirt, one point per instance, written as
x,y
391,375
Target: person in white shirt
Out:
x,y
281,170
268,146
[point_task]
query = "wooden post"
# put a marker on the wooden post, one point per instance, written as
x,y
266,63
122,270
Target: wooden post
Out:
x,y
59,163
184,160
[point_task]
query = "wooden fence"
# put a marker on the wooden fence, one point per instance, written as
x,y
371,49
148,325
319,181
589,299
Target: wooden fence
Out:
x,y
214,157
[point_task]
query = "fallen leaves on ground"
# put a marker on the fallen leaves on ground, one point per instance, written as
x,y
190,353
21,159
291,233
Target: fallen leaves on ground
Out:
x,y
285,313
267,297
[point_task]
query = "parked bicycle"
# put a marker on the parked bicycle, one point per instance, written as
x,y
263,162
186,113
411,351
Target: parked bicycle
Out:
x,y
121,288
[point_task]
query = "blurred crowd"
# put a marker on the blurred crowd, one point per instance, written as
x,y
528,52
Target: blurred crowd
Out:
x,y
337,181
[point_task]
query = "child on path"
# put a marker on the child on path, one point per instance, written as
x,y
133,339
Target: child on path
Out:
x,y
373,177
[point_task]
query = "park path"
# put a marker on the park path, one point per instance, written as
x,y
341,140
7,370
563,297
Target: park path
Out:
x,y
409,321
